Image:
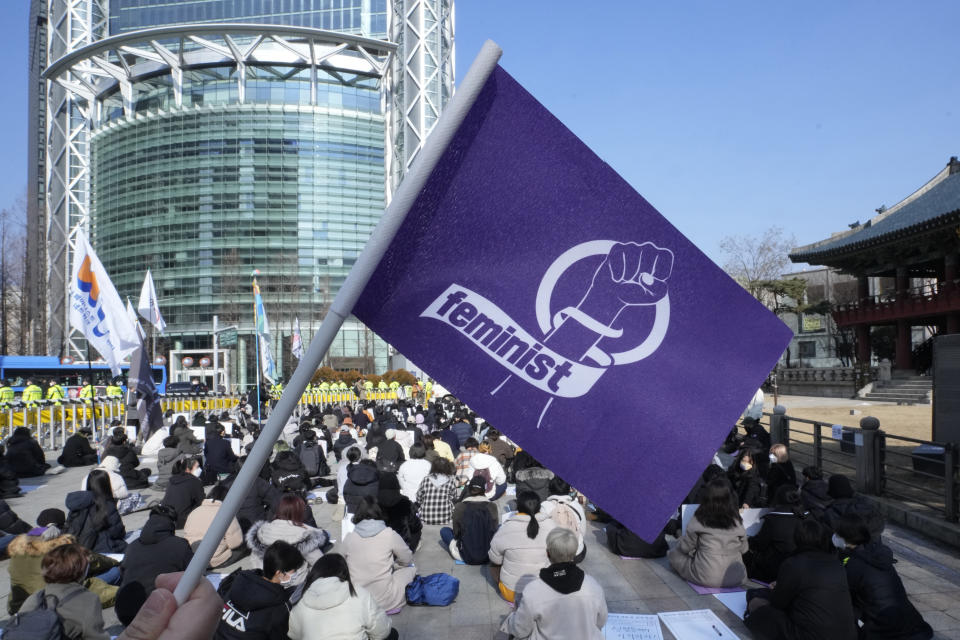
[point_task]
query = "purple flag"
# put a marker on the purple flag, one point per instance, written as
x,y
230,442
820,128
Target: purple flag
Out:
x,y
533,282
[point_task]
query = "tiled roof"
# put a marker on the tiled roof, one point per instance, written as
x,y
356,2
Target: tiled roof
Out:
x,y
936,203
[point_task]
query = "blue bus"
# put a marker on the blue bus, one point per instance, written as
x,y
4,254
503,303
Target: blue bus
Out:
x,y
17,369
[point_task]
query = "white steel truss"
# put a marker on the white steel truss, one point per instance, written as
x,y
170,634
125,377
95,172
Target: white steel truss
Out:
x,y
423,74
86,76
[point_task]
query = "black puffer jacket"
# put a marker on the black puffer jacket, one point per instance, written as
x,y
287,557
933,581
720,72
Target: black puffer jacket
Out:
x,y
535,479
218,456
747,486
157,550
856,505
772,544
254,608
9,482
77,452
260,503
184,493
809,602
780,474
362,480
815,497
107,538
25,455
10,522
879,597
288,473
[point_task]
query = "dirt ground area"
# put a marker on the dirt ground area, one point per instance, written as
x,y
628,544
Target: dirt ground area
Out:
x,y
910,421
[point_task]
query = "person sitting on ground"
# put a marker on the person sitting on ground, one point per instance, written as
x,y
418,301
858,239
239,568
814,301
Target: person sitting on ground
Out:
x,y
25,455
343,441
167,457
26,553
469,449
565,511
218,456
563,601
413,471
111,466
756,437
259,503
256,602
530,475
847,502
486,466
500,449
378,558
710,552
438,492
746,480
9,482
781,471
188,442
119,448
312,457
363,480
810,600
77,451
475,520
398,511
390,453
333,607
231,547
437,448
157,550
350,458
80,612
626,544
518,549
814,492
93,518
289,475
462,428
10,526
775,540
185,490
879,599
288,525
451,439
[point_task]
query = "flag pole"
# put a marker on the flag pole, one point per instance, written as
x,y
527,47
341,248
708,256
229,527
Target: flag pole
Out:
x,y
393,216
256,345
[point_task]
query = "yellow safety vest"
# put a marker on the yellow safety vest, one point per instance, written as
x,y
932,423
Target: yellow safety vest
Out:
x,y
31,394
55,392
113,391
86,392
6,394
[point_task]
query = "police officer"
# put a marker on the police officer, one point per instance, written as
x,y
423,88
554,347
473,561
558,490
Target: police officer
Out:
x,y
31,394
114,390
86,392
6,393
55,392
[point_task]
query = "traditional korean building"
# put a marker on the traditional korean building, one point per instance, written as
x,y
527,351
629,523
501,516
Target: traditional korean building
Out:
x,y
905,260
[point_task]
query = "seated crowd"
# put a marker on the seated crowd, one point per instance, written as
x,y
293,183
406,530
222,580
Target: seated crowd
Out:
x,y
819,548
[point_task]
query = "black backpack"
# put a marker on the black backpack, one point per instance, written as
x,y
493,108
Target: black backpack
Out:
x,y
477,532
42,623
310,458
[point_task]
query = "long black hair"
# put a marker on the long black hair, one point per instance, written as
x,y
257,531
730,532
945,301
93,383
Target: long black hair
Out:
x,y
331,565
98,483
717,508
529,503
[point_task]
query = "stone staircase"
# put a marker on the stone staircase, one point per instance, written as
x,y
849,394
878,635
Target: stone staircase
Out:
x,y
902,389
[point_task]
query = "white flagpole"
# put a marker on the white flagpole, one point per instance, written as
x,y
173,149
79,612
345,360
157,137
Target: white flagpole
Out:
x,y
406,194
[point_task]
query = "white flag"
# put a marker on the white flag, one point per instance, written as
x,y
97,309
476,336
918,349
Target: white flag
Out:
x,y
296,342
148,306
135,320
96,308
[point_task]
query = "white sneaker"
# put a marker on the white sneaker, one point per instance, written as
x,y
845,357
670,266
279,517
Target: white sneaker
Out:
x,y
56,470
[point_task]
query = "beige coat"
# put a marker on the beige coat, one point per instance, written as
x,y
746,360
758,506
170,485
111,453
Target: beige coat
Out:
x,y
200,520
520,556
379,561
710,557
544,614
327,611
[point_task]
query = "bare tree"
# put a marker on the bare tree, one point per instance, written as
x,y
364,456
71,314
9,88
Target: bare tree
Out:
x,y
754,261
13,244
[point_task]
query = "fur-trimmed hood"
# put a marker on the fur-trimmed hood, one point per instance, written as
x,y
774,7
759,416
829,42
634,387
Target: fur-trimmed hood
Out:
x,y
26,545
305,538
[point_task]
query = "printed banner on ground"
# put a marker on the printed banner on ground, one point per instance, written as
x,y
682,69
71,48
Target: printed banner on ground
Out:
x,y
534,283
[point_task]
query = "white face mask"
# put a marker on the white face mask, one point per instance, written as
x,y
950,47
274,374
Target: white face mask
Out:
x,y
838,542
773,458
745,466
198,471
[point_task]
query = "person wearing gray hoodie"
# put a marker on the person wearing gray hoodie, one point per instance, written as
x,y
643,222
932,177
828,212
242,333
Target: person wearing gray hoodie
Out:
x,y
167,457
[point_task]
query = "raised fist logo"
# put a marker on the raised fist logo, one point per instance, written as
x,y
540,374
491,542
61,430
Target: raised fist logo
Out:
x,y
635,274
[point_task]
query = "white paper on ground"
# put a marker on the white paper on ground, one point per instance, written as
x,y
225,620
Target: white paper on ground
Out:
x,y
153,478
632,626
200,433
114,556
752,518
700,624
735,601
511,490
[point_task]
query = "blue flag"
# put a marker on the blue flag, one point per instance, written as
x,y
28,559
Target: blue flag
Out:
x,y
263,335
535,284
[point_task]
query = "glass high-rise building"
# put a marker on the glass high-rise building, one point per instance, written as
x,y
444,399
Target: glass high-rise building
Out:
x,y
204,139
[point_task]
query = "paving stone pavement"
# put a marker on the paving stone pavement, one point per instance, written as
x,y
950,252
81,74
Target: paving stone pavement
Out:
x,y
931,575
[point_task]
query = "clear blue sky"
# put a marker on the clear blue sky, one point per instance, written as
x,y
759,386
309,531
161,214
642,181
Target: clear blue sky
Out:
x,y
727,117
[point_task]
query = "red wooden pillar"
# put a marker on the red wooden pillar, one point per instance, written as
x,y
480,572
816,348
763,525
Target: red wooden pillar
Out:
x,y
904,361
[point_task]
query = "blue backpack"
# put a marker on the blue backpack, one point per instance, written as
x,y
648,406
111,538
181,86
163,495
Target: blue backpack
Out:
x,y
437,590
